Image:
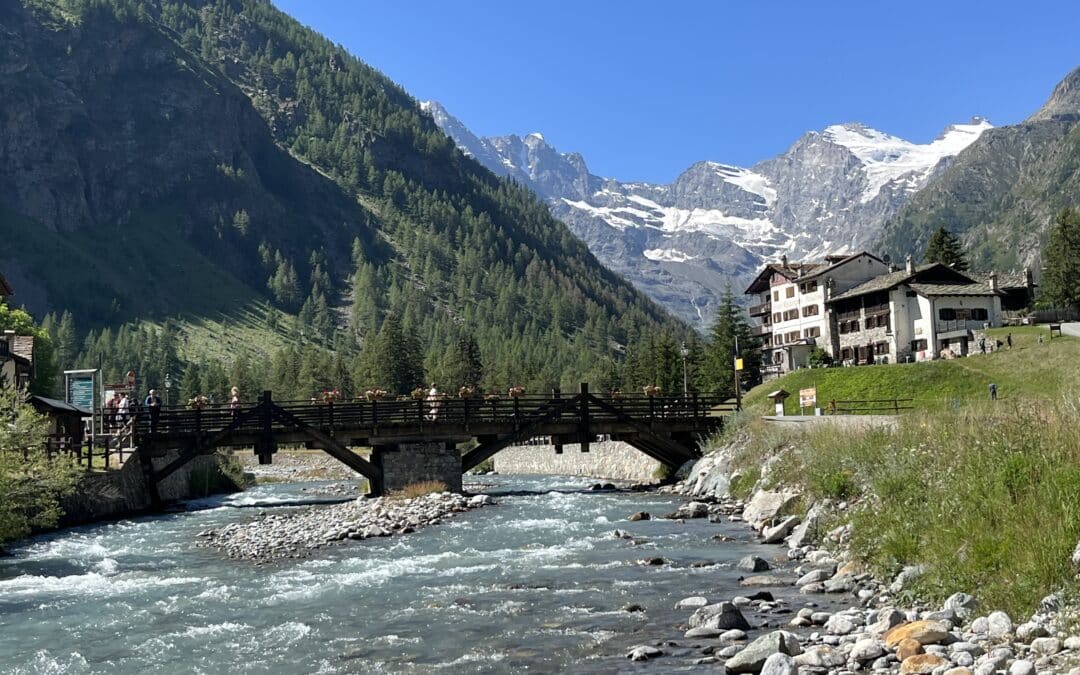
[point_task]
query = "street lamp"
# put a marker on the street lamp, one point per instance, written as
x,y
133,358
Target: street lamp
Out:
x,y
685,382
168,386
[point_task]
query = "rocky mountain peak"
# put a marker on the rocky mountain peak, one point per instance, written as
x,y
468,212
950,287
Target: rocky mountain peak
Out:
x,y
1064,101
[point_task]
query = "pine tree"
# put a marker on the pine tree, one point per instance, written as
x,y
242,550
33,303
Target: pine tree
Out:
x,y
944,247
1061,275
718,366
463,365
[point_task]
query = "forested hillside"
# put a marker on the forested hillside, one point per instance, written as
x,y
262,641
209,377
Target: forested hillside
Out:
x,y
214,161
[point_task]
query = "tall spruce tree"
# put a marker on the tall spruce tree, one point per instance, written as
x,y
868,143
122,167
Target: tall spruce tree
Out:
x,y
1061,274
945,247
463,364
718,364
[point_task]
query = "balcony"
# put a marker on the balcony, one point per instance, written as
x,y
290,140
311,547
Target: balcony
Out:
x,y
761,309
762,330
959,327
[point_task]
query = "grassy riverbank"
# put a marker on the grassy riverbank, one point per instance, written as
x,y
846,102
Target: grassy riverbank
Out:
x,y
1028,371
986,497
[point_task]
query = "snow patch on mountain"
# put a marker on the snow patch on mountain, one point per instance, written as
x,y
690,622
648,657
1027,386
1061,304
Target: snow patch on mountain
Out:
x,y
886,158
829,193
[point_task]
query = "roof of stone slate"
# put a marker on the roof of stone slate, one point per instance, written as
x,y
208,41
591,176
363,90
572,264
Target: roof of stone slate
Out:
x,y
885,282
803,270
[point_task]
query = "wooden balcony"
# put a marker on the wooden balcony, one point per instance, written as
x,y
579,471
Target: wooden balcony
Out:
x,y
761,309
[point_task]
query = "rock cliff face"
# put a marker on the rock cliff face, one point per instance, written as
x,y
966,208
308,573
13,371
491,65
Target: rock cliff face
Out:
x,y
1002,193
683,243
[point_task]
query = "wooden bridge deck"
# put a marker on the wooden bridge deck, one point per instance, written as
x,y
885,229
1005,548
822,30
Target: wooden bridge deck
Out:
x,y
669,429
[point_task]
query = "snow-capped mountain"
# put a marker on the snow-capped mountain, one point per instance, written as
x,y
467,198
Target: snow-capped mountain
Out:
x,y
714,225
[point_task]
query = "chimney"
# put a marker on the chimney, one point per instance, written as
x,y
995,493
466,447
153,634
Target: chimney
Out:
x,y
909,265
1028,280
783,260
993,282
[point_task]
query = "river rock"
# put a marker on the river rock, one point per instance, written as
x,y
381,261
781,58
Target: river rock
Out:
x,y
722,615
925,632
779,664
821,656
643,653
907,648
753,657
776,534
694,510
866,649
905,577
813,577
962,603
886,618
1073,643
842,583
765,505
702,632
805,533
922,664
1028,631
753,563
640,515
839,624
768,580
1046,646
1022,667
692,602
999,624
733,635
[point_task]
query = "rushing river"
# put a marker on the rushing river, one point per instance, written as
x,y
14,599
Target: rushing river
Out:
x,y
538,582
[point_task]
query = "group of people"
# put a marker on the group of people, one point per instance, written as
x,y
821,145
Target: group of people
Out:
x,y
120,409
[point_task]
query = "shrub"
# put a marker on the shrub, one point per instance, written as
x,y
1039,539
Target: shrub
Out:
x,y
31,483
420,489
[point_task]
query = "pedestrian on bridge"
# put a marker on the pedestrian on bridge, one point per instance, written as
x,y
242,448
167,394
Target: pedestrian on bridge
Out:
x,y
122,408
234,402
153,405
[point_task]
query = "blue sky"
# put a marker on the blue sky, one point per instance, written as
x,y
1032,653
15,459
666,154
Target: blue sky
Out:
x,y
644,89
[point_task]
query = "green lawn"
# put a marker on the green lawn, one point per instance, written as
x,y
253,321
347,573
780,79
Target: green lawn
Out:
x,y
1028,371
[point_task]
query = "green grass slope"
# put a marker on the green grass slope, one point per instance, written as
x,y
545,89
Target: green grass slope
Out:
x,y
1028,371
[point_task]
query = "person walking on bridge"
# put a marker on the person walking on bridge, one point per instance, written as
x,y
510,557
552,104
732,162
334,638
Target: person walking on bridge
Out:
x,y
153,405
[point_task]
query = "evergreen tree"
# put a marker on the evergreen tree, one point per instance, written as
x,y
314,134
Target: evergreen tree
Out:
x,y
944,247
463,364
718,363
1061,274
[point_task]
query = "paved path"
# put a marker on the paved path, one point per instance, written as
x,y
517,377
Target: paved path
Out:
x,y
847,421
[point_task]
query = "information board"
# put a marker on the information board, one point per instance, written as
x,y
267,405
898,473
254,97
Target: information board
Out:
x,y
808,397
79,389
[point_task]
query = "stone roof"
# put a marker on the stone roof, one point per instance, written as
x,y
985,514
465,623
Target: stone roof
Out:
x,y
928,288
805,270
934,290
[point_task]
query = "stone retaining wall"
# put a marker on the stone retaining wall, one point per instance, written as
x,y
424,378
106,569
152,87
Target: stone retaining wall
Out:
x,y
113,494
610,459
410,463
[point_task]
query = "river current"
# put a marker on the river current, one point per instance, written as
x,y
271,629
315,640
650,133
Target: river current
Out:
x,y
538,582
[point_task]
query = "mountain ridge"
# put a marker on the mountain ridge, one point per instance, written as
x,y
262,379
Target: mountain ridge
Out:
x,y
714,224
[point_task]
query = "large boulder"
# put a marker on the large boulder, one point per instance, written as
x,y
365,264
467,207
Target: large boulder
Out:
x,y
806,532
753,563
753,657
924,632
722,615
776,533
779,664
765,505
922,664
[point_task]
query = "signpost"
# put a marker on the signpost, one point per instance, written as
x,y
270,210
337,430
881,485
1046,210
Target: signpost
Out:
x,y
80,388
807,398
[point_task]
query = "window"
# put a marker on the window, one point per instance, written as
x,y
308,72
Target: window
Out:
x,y
877,321
808,287
810,310
947,314
812,332
778,357
778,340
881,348
918,345
776,295
776,317
852,326
845,354
979,314
789,292
793,336
791,314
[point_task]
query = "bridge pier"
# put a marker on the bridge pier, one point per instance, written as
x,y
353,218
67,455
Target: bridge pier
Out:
x,y
404,464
